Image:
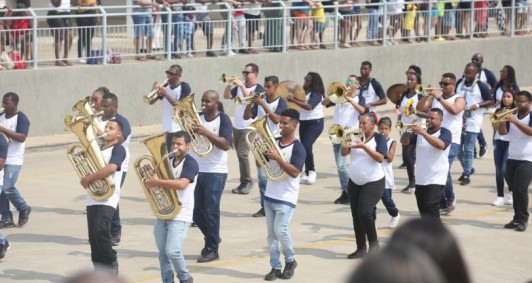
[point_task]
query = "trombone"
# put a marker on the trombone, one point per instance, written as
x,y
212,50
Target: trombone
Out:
x,y
501,116
249,99
400,126
229,80
152,97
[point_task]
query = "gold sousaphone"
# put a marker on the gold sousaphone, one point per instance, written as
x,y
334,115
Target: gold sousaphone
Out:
x,y
291,88
165,204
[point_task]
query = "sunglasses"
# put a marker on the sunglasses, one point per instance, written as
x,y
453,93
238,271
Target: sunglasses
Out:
x,y
245,73
171,74
351,82
442,84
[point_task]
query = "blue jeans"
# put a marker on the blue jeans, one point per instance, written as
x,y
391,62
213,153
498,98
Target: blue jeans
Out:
x,y
500,156
169,237
10,192
2,239
373,24
309,131
448,192
278,217
209,188
481,139
389,203
467,147
175,32
262,184
343,174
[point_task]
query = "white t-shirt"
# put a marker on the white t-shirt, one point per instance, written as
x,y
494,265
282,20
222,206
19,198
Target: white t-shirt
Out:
x,y
252,8
3,155
126,131
387,167
410,120
346,115
372,92
116,155
277,106
363,169
240,123
178,93
520,144
187,168
314,113
18,123
451,122
64,7
432,164
476,93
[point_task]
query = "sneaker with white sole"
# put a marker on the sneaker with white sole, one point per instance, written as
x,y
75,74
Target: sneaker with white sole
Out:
x,y
510,199
498,201
395,221
311,177
303,178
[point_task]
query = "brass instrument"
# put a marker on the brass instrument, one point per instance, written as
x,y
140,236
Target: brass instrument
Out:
x,y
84,108
186,115
395,91
291,88
400,126
164,204
249,99
86,158
337,92
425,90
339,135
261,141
152,97
229,80
501,116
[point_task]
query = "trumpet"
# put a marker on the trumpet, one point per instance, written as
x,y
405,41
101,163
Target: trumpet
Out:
x,y
229,80
400,126
249,99
345,137
501,116
425,90
152,97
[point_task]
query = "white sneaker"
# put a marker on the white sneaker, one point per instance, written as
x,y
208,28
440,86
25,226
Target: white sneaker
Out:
x,y
395,221
82,60
229,53
303,179
311,177
498,201
510,199
190,55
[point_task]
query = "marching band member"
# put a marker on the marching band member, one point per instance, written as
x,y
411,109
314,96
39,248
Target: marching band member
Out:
x,y
432,151
310,122
100,213
15,125
280,198
519,130
96,98
270,105
346,115
170,234
453,106
110,112
370,88
242,126
366,184
170,95
216,126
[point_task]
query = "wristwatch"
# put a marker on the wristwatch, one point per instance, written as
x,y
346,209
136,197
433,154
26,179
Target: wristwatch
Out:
x,y
439,98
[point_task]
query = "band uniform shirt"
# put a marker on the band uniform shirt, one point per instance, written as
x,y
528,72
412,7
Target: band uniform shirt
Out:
x,y
126,133
3,155
181,91
520,147
240,123
486,76
216,160
478,92
278,105
432,164
21,124
112,155
286,191
346,115
451,122
387,168
187,168
63,8
372,91
316,112
364,169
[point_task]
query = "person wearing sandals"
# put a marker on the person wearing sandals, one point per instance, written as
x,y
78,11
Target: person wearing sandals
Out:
x,y
61,30
143,25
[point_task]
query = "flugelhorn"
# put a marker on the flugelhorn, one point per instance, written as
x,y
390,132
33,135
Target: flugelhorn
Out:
x,y
229,80
249,99
337,92
400,126
152,97
501,116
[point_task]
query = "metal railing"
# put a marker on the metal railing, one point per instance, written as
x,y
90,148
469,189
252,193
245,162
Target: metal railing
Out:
x,y
342,26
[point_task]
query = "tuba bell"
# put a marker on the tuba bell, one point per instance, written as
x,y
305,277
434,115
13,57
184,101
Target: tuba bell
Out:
x,y
186,115
165,204
84,108
260,141
337,92
152,97
86,158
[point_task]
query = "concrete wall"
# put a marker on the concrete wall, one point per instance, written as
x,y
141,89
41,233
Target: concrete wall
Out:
x,y
47,94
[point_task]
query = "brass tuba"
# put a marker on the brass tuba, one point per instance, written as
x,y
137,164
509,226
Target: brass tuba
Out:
x,y
152,97
261,141
186,115
337,92
165,204
84,108
86,157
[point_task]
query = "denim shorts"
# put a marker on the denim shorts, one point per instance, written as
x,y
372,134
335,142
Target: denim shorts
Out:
x,y
319,27
143,25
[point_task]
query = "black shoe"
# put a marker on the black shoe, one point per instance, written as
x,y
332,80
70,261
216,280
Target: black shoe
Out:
x,y
115,240
176,56
237,189
4,248
211,54
461,177
114,268
7,224
409,189
511,225
274,274
343,199
402,166
246,188
189,280
482,151
260,213
208,256
472,171
193,224
521,227
289,268
23,216
243,51
465,181
359,253
451,204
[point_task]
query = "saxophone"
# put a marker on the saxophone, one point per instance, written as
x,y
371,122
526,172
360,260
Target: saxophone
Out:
x,y
86,157
186,115
261,141
165,204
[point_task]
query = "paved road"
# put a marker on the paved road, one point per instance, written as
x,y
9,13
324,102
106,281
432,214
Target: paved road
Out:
x,y
53,245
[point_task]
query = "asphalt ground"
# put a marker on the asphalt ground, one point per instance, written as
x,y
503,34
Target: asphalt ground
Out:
x,y
53,245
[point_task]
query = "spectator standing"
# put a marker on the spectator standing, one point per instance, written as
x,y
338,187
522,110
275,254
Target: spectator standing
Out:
x,y
143,26
61,30
86,26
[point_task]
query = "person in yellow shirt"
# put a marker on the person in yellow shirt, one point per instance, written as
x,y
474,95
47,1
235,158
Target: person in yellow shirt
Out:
x,y
318,17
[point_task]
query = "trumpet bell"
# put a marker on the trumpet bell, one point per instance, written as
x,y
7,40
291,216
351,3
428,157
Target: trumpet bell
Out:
x,y
501,115
336,133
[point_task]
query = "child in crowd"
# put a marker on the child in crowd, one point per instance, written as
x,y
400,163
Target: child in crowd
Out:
x,y
318,16
188,29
